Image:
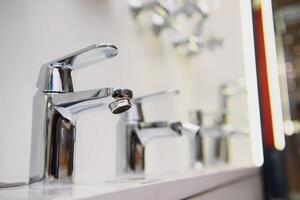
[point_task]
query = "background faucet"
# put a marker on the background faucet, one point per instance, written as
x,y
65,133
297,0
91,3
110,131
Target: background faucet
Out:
x,y
216,148
221,130
56,107
134,133
168,15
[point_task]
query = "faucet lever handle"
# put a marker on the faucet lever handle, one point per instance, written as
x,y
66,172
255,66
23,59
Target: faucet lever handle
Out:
x,y
156,96
87,56
136,112
56,76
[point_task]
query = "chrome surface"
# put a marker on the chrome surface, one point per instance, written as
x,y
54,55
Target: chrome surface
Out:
x,y
217,137
56,76
185,19
196,117
226,91
56,108
220,131
134,133
222,126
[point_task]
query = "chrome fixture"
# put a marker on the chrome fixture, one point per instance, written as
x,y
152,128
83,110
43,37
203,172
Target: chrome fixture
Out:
x,y
56,107
216,136
222,125
220,131
226,91
196,117
177,16
134,133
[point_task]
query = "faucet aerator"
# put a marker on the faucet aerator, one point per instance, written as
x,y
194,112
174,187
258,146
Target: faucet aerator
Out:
x,y
120,106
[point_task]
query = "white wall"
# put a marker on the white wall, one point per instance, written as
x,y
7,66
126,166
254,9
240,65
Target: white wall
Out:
x,y
34,32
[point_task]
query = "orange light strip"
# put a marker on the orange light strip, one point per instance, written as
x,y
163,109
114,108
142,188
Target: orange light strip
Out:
x,y
267,72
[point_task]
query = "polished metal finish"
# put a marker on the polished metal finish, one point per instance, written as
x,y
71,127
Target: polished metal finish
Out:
x,y
226,91
220,132
217,149
134,133
169,15
136,113
56,108
196,117
56,76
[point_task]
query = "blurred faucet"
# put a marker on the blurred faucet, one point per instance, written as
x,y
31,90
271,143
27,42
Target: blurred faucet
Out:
x,y
216,139
222,125
220,131
56,107
226,91
196,117
167,15
134,133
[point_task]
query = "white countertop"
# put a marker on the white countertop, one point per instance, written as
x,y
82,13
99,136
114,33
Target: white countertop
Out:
x,y
169,187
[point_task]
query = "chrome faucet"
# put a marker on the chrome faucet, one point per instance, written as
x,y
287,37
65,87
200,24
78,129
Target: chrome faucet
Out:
x,y
226,130
56,107
133,133
168,16
217,149
220,131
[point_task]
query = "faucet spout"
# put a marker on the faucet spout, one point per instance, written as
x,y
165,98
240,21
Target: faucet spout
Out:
x,y
159,129
132,143
147,131
71,105
138,134
186,128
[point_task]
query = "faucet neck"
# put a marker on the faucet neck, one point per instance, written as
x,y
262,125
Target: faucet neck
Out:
x,y
135,114
56,78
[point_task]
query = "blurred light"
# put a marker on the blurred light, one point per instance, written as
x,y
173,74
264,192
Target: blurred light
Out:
x,y
251,82
273,75
296,127
289,128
